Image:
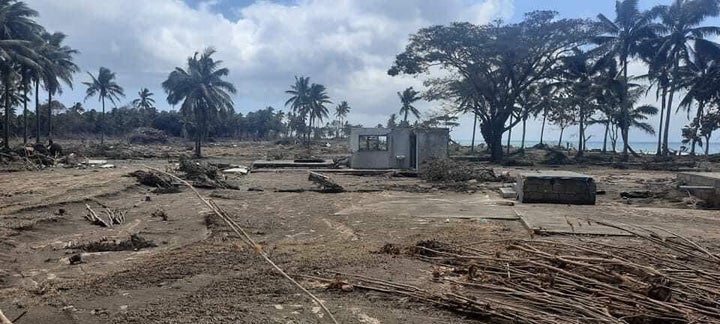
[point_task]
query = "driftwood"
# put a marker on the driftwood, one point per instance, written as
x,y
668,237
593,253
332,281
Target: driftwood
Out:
x,y
114,216
326,183
673,280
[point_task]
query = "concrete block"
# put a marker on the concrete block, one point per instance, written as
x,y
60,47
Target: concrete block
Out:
x,y
560,187
508,193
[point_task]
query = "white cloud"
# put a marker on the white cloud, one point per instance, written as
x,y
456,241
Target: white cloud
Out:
x,y
348,45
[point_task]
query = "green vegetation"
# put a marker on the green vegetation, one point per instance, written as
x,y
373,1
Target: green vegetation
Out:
x,y
567,72
574,71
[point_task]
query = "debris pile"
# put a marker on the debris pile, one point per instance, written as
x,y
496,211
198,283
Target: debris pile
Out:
x,y
447,170
146,135
161,182
134,243
203,175
672,280
327,184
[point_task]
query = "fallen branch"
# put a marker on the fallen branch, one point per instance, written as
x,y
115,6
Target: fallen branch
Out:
x,y
93,217
247,239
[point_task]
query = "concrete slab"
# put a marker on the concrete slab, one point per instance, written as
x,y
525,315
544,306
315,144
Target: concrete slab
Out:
x,y
567,221
430,206
291,164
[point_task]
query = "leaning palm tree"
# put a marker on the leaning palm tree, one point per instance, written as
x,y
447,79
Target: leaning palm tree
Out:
x,y
201,89
144,100
104,87
317,99
407,98
17,31
58,69
681,30
341,111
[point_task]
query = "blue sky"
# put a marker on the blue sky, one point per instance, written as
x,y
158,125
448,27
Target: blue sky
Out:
x,y
348,45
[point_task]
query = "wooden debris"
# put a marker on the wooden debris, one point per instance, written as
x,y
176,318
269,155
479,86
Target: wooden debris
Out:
x,y
114,216
672,280
326,183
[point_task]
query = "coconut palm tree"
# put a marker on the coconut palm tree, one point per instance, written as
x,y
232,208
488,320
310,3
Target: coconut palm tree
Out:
x,y
144,100
624,38
317,99
58,68
17,30
407,98
681,30
104,87
201,88
298,101
341,111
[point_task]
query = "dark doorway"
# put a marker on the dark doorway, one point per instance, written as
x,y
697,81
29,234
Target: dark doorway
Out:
x,y
413,151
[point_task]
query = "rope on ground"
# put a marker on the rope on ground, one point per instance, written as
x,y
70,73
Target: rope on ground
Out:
x,y
248,240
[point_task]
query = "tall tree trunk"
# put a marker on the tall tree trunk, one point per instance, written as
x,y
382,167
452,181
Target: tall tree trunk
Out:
x,y
472,143
524,130
668,107
562,130
49,133
707,144
37,111
6,128
607,131
581,133
102,122
493,135
662,115
509,134
25,112
701,107
542,129
624,108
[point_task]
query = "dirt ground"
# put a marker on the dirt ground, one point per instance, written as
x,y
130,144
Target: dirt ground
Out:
x,y
199,272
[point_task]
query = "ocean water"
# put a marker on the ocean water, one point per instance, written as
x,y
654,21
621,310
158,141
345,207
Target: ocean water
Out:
x,y
640,147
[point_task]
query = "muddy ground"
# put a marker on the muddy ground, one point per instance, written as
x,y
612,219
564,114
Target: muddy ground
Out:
x,y
53,268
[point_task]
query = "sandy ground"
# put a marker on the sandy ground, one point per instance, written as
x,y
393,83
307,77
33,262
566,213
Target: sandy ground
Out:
x,y
201,273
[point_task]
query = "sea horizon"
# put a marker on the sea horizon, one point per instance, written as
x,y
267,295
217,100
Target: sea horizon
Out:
x,y
637,146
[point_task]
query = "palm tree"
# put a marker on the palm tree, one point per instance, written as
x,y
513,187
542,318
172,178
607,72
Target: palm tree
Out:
x,y
624,38
105,87
341,111
407,98
202,90
681,30
144,100
17,30
298,101
317,99
59,67
636,116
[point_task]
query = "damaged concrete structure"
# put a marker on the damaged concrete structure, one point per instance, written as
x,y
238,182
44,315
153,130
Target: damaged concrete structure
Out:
x,y
556,187
396,148
704,185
